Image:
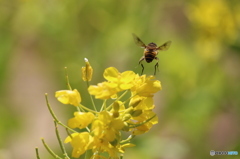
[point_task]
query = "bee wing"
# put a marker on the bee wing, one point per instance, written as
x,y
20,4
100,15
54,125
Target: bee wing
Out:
x,y
138,41
165,46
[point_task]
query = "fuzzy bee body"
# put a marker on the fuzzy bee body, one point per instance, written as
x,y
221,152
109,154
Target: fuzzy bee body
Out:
x,y
150,52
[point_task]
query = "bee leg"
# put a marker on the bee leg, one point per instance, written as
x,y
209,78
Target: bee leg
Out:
x,y
142,68
156,66
140,62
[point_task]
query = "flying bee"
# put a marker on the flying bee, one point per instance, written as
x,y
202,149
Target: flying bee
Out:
x,y
150,51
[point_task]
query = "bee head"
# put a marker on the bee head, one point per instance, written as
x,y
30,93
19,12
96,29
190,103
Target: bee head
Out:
x,y
152,45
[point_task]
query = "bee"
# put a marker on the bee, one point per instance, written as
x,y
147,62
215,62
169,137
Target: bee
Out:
x,y
150,52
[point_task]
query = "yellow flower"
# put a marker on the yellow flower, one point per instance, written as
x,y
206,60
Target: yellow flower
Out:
x,y
116,82
140,102
80,143
100,145
81,120
146,86
215,26
106,126
123,80
87,71
68,97
103,90
143,128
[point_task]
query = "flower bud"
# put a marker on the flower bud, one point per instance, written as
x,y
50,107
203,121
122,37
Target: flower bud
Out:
x,y
126,117
115,114
125,127
135,102
129,111
116,106
136,113
87,71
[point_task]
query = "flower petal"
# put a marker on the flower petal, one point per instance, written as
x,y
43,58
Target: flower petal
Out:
x,y
111,74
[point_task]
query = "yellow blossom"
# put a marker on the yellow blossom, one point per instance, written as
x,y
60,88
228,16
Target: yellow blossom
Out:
x,y
103,90
68,97
215,26
80,143
143,128
144,103
123,80
106,126
101,131
81,120
146,86
101,145
116,82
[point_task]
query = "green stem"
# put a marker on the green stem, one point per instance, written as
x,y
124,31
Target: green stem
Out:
x,y
54,116
68,133
128,139
60,141
129,99
136,125
94,106
86,108
50,150
109,107
121,157
103,107
37,154
67,79
79,109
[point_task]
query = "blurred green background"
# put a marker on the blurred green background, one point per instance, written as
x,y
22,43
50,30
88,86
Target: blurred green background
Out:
x,y
198,107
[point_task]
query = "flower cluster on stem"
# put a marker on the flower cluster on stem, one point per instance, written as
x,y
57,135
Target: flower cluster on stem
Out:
x,y
127,107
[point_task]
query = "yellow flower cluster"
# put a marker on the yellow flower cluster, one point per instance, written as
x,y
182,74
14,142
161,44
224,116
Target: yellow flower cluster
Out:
x,y
101,130
216,26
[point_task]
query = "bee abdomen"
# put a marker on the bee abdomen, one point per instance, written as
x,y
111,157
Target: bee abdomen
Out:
x,y
149,57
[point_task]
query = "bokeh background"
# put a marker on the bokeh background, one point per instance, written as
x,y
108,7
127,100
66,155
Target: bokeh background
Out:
x,y
198,107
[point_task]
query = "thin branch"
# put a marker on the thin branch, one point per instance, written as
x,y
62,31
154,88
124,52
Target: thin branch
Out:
x,y
50,150
37,153
54,116
60,141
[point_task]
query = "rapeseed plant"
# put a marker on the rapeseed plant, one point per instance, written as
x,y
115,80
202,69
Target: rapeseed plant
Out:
x,y
98,131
